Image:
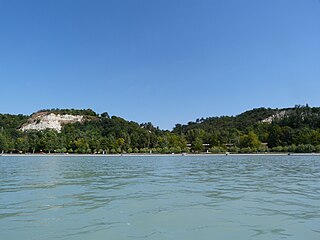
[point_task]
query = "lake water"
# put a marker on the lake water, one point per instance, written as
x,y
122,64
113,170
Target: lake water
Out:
x,y
173,197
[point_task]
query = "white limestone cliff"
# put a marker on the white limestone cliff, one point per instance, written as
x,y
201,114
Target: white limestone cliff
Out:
x,y
45,120
278,116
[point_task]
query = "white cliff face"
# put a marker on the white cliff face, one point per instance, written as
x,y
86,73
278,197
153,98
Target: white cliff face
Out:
x,y
50,121
279,115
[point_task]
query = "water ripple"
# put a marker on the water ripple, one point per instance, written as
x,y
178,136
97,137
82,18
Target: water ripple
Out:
x,y
229,197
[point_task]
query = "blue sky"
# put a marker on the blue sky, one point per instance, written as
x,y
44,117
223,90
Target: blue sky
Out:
x,y
168,61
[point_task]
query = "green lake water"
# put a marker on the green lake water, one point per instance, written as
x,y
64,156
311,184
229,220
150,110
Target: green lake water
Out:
x,y
172,197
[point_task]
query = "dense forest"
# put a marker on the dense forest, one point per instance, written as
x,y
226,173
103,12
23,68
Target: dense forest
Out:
x,y
294,129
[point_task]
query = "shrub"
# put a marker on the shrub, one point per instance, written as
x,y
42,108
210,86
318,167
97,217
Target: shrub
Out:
x,y
233,149
305,148
247,150
292,148
217,150
277,149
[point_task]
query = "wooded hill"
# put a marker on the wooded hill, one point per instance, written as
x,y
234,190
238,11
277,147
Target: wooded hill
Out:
x,y
294,129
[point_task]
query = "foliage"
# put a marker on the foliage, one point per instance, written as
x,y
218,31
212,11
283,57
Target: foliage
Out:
x,y
289,130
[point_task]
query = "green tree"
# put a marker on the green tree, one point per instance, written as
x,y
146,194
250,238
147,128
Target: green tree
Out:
x,y
250,140
119,143
81,145
3,143
22,144
105,115
275,136
197,145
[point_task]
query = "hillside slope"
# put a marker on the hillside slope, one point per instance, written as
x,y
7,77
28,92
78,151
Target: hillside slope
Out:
x,y
294,129
48,120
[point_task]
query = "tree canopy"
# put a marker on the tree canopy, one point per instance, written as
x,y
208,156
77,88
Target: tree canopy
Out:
x,y
294,129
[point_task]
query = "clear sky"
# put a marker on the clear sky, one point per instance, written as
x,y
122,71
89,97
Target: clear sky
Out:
x,y
164,61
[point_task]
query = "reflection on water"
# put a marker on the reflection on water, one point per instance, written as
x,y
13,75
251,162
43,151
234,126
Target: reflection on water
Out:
x,y
174,197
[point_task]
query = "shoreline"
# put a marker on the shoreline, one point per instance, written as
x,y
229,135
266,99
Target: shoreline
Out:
x,y
155,155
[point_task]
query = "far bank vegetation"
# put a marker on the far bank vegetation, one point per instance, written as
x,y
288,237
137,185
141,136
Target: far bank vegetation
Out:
x,y
259,130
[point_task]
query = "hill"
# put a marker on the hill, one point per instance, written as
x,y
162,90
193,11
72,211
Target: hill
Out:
x,y
82,131
294,129
277,128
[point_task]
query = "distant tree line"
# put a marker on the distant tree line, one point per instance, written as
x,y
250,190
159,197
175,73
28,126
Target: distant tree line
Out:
x,y
294,130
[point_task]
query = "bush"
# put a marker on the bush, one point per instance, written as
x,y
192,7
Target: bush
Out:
x,y
144,150
175,150
292,148
217,150
61,150
262,149
158,150
186,150
165,150
247,150
277,149
305,148
81,150
233,149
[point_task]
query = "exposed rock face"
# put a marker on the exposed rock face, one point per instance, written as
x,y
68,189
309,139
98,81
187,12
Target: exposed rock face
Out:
x,y
45,120
278,116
